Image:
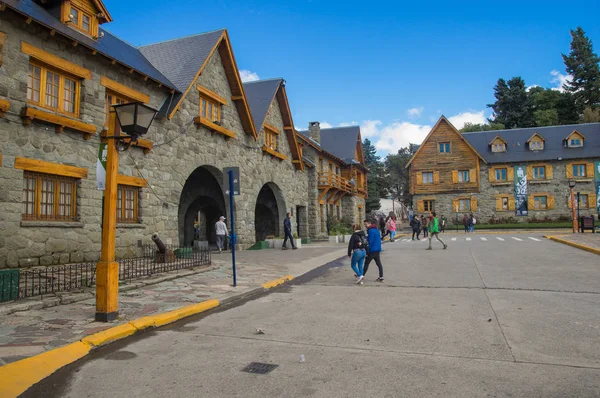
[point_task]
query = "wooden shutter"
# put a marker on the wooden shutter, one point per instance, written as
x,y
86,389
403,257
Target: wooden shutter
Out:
x,y
530,202
590,170
510,174
529,173
436,177
473,203
420,206
592,200
419,178
511,203
473,175
454,204
550,202
454,176
491,175
498,203
569,168
549,174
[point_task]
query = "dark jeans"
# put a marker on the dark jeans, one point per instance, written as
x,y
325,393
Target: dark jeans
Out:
x,y
288,234
373,256
425,232
416,231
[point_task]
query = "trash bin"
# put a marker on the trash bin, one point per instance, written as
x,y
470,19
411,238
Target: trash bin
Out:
x,y
9,285
586,222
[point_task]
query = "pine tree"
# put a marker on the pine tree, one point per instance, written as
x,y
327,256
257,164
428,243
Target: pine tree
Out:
x,y
582,64
376,174
513,107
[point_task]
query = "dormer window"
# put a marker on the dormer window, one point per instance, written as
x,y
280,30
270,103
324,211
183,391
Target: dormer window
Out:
x,y
574,140
84,15
536,142
498,145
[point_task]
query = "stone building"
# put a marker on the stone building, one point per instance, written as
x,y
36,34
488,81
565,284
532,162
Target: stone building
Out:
x,y
60,72
521,174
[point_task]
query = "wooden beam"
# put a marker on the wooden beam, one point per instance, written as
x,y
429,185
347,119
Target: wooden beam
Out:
x,y
322,194
237,97
124,90
273,153
114,61
211,95
40,166
288,128
55,61
201,121
75,43
131,71
94,52
2,6
62,121
146,78
271,128
131,181
4,106
29,20
52,32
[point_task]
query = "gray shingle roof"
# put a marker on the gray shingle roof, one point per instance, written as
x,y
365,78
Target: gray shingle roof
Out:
x,y
338,141
108,45
518,151
260,94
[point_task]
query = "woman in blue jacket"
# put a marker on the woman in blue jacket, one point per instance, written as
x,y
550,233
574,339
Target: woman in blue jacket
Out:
x,y
374,249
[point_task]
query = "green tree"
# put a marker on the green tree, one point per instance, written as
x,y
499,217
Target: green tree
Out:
x,y
582,64
375,178
567,109
545,106
477,127
513,107
395,165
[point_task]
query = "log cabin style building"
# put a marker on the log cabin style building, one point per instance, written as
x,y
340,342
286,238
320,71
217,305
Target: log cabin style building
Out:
x,y
521,174
60,72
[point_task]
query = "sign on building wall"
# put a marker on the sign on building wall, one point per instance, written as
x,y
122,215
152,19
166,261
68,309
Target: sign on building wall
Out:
x,y
101,168
521,191
236,179
597,173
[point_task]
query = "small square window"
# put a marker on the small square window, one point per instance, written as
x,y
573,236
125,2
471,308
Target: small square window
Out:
x,y
500,174
499,147
536,145
579,170
540,202
428,205
428,177
464,204
575,142
539,173
463,176
444,147
583,201
505,203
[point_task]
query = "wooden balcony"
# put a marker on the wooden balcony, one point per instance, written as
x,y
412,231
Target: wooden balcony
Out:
x,y
333,187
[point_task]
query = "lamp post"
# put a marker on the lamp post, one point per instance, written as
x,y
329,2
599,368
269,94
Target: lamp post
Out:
x,y
573,214
134,120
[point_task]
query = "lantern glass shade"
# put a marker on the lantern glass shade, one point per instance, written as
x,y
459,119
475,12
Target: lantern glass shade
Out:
x,y
134,118
571,184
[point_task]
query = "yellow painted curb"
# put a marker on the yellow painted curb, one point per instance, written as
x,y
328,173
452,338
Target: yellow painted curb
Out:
x,y
175,315
108,335
577,245
277,282
17,377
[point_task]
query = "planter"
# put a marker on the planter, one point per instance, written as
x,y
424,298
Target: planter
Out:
x,y
334,239
347,238
201,244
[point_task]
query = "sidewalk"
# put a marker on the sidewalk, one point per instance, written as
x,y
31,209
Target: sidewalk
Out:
x,y
25,333
587,241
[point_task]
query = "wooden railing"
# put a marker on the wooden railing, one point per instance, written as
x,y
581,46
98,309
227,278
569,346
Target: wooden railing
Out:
x,y
332,180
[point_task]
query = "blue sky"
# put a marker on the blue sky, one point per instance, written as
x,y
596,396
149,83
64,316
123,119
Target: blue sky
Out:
x,y
393,68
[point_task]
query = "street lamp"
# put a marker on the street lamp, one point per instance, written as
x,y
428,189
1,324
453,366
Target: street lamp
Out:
x,y
573,214
134,120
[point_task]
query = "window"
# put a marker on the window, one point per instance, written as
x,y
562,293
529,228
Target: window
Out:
x,y
210,109
444,147
583,201
500,174
428,205
575,142
127,204
112,99
52,89
505,205
49,197
81,20
464,204
540,202
463,176
428,177
321,169
271,139
536,145
498,147
579,170
539,173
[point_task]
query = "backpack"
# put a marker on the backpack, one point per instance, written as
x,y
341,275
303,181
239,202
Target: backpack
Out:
x,y
362,242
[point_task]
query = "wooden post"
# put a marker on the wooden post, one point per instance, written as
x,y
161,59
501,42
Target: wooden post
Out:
x,y
107,269
574,212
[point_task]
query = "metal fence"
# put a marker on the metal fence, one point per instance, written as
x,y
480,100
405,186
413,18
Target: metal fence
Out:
x,y
22,283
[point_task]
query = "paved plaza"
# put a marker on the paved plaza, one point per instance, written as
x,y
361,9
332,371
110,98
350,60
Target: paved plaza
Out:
x,y
512,317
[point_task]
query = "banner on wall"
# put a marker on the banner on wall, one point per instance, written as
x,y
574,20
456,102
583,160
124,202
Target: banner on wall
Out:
x,y
101,168
521,191
597,173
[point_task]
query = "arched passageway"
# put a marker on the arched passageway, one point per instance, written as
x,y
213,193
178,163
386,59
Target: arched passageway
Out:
x,y
200,206
269,212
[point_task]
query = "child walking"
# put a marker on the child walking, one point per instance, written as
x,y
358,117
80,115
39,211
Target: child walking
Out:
x,y
357,251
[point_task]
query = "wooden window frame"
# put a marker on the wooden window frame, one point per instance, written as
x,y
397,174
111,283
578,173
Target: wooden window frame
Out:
x,y
501,147
427,181
500,169
579,165
538,143
537,199
44,70
271,137
79,24
465,208
122,203
428,205
461,174
533,170
38,201
445,145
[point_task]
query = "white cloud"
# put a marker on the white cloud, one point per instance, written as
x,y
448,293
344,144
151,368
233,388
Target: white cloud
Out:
x,y
415,112
248,76
530,87
369,128
326,125
471,117
346,124
396,135
559,80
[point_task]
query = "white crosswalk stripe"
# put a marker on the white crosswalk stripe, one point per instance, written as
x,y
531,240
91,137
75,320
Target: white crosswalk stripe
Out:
x,y
484,239
453,239
520,240
468,239
500,239
535,239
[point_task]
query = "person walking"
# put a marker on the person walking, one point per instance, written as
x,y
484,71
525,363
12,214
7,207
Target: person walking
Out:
x,y
382,227
287,229
221,232
357,251
416,227
466,222
434,230
472,222
442,224
424,224
391,226
374,248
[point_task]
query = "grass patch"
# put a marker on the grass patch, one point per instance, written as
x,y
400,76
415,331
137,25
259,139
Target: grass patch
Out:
x,y
541,225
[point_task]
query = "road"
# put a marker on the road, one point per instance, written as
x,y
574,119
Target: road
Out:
x,y
492,316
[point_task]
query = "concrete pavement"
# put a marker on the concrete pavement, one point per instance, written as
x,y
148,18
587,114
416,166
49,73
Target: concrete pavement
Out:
x,y
483,318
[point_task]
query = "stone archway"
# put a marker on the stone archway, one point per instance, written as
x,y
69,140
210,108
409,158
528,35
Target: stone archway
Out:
x,y
269,212
201,200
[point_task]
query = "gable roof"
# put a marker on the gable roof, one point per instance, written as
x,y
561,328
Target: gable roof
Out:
x,y
260,94
497,138
109,45
554,148
574,132
338,142
440,120
536,134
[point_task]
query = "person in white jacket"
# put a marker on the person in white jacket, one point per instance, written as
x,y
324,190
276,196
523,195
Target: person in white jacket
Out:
x,y
221,231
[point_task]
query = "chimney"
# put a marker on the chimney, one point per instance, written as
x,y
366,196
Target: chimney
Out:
x,y
314,131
